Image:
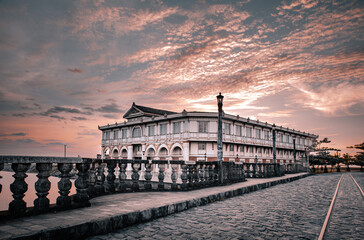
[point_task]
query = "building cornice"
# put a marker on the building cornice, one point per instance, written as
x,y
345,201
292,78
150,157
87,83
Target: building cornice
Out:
x,y
187,115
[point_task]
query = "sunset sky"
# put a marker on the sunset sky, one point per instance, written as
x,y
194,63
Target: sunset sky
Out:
x,y
68,66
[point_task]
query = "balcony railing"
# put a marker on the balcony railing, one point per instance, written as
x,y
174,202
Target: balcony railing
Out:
x,y
122,175
204,137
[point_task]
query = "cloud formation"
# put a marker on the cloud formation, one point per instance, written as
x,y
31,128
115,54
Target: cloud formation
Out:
x,y
281,61
17,134
75,70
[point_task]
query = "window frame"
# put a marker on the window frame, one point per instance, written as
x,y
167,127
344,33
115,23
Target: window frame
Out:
x,y
239,130
201,146
203,126
229,128
163,129
136,130
176,127
151,133
250,132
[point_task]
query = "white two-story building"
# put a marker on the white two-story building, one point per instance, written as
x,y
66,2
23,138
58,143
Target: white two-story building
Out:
x,y
156,134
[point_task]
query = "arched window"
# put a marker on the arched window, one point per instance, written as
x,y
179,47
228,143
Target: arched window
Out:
x,y
163,152
150,152
137,132
124,154
115,153
177,151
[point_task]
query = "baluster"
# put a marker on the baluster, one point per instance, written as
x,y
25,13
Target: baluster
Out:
x,y
81,197
242,172
161,177
196,182
42,187
1,168
148,177
18,188
254,170
216,174
135,176
111,164
92,181
207,175
211,174
64,185
174,177
228,172
122,176
277,172
184,185
260,170
201,174
248,170
265,170
235,172
100,178
190,176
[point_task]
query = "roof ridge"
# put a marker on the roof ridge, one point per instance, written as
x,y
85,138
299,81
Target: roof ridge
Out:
x,y
150,108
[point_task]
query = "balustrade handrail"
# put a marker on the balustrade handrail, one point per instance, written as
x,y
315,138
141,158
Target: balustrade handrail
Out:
x,y
131,175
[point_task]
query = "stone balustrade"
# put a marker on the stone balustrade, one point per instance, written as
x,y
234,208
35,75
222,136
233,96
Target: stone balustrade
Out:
x,y
96,177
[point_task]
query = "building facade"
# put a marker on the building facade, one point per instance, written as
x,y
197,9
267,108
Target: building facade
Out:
x,y
157,134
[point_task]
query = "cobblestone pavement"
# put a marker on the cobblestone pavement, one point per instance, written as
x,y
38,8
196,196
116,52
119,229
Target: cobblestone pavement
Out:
x,y
347,219
359,177
294,210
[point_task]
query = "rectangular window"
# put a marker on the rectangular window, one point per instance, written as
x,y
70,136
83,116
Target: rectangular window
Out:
x,y
163,129
151,130
203,126
249,132
259,150
281,137
250,149
116,134
258,133
137,132
241,148
107,135
239,131
124,133
227,128
266,134
176,127
201,146
231,148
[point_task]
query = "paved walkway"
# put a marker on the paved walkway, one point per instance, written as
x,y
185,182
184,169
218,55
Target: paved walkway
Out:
x,y
294,210
111,212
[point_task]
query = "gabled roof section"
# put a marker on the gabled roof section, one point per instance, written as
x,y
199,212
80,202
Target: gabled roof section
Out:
x,y
140,111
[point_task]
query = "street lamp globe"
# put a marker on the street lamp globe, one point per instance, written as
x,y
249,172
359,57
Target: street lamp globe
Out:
x,y
219,98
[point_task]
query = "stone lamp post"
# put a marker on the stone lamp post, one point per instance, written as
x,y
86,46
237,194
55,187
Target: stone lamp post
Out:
x,y
294,153
274,148
219,136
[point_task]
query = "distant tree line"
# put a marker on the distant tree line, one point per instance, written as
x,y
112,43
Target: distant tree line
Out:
x,y
324,157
